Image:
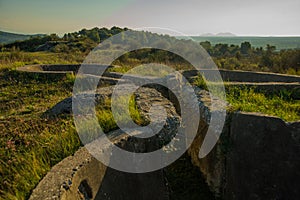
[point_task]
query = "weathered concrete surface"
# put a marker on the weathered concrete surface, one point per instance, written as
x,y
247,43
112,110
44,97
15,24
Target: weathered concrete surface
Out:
x,y
260,82
83,177
61,176
263,161
65,106
63,68
227,75
49,69
247,76
257,157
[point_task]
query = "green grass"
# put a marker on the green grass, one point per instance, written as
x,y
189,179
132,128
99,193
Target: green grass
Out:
x,y
31,144
200,81
106,119
280,105
249,100
153,69
12,60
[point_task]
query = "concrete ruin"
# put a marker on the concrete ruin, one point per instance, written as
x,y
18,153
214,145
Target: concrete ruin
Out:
x,y
255,158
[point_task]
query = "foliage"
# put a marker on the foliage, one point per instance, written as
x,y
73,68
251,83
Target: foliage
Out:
x,y
255,41
6,37
200,81
243,56
81,41
246,57
31,144
106,119
281,105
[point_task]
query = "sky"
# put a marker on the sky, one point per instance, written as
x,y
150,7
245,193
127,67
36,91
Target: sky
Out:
x,y
191,17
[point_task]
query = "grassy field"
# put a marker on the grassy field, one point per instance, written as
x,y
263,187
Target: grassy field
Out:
x,y
280,105
31,144
248,100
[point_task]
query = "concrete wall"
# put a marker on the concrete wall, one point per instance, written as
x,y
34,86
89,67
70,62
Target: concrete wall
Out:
x,y
67,68
257,157
60,68
227,75
247,76
267,82
83,177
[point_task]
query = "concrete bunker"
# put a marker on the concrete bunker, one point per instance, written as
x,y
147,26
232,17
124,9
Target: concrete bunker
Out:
x,y
255,158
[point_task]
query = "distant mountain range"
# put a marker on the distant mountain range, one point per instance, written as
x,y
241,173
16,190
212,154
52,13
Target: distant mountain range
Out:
x,y
225,34
6,37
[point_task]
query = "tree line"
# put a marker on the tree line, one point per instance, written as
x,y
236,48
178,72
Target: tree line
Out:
x,y
246,57
238,57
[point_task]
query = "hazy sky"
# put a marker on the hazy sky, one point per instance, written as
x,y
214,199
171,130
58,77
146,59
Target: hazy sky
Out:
x,y
192,17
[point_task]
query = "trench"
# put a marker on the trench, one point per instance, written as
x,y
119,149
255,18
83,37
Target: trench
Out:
x,y
238,167
83,177
180,180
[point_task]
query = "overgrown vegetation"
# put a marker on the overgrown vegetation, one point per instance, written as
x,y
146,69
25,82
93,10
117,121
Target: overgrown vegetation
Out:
x,y
244,98
228,56
281,105
106,119
31,144
16,58
246,57
82,41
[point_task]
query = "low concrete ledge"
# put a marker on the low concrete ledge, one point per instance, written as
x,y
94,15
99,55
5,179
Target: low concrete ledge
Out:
x,y
246,76
61,68
83,177
257,157
261,81
61,177
48,69
227,75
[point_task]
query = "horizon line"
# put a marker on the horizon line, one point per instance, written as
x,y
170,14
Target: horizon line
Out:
x,y
188,35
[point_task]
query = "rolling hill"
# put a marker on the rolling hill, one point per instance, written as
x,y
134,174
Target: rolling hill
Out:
x,y
6,37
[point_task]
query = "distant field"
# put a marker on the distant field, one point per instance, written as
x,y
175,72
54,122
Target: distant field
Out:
x,y
279,42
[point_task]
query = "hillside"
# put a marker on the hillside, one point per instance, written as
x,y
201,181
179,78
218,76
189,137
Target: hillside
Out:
x,y
83,41
6,37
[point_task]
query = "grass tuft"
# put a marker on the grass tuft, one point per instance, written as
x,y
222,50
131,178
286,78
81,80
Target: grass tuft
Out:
x,y
280,105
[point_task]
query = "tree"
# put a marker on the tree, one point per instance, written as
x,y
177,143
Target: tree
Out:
x,y
221,49
238,55
267,57
93,35
206,45
245,47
